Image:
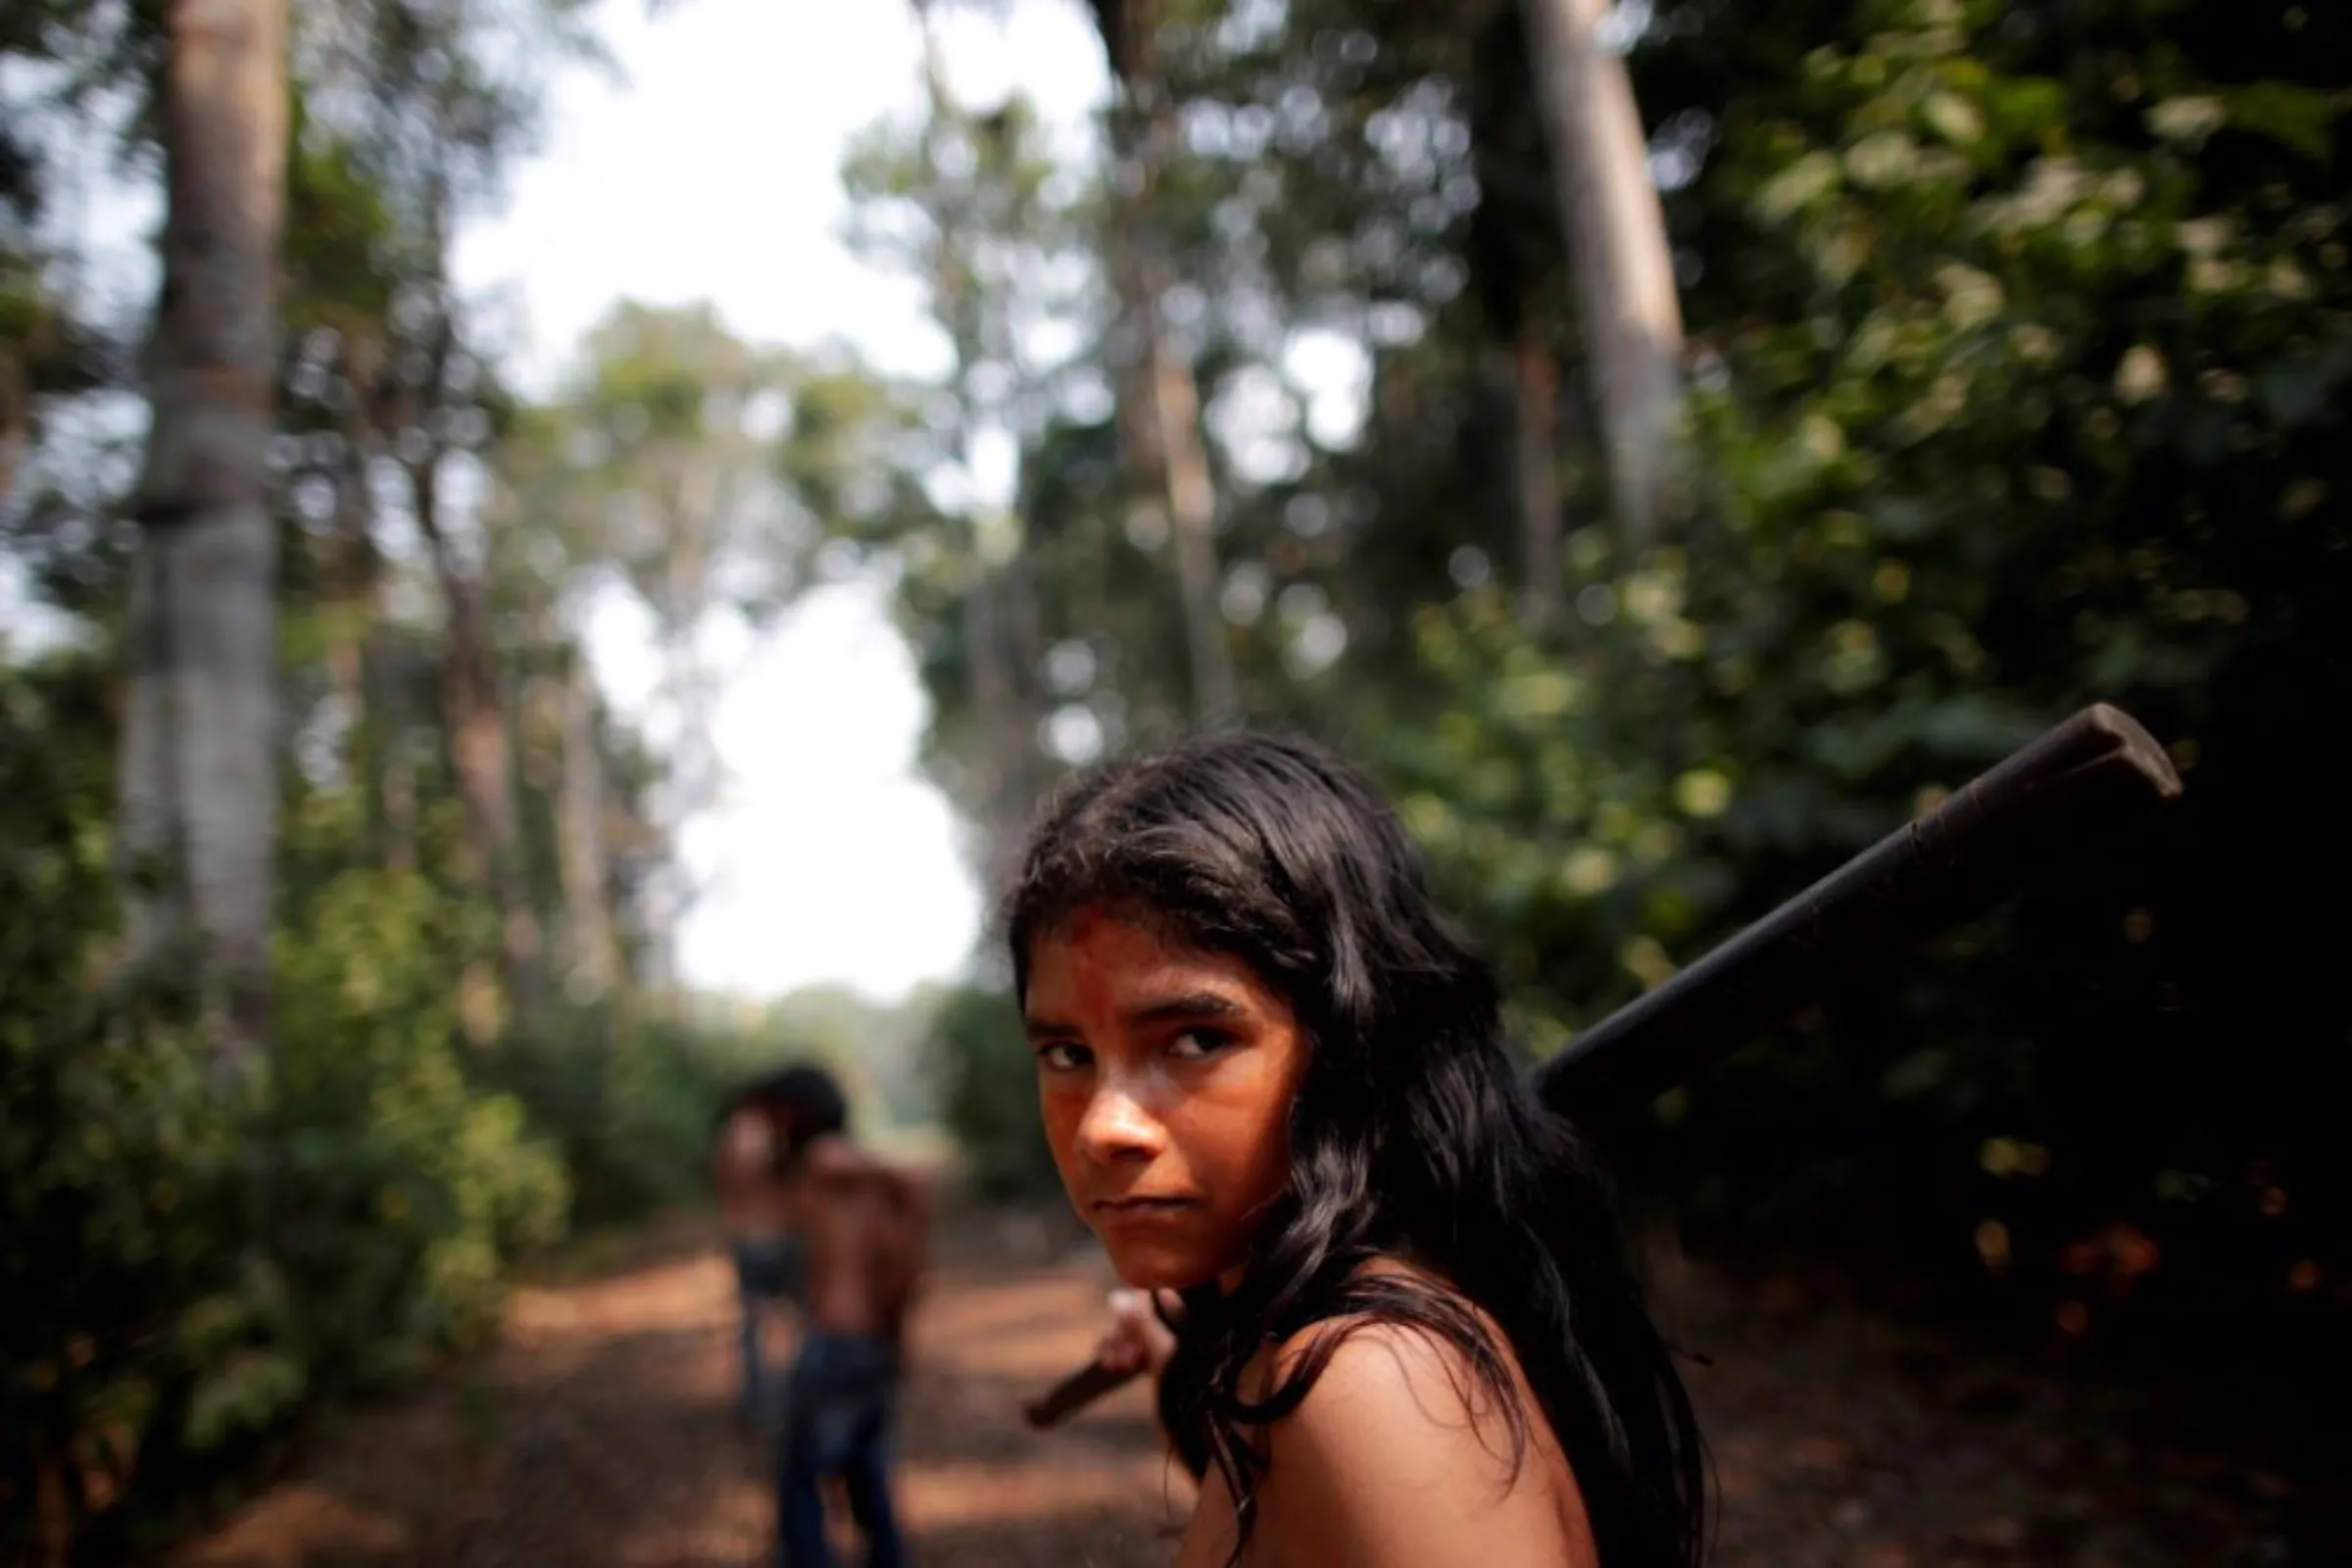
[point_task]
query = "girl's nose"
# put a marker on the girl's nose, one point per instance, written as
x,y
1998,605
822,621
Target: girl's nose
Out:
x,y
1119,1127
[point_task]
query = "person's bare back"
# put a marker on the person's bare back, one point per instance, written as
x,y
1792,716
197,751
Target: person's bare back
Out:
x,y
864,1231
865,1225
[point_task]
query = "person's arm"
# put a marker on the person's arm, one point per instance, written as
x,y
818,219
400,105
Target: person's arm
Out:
x,y
913,1195
1398,1457
906,1261
1137,1339
912,1198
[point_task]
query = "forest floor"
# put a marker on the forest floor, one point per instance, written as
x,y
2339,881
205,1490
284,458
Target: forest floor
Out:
x,y
601,1433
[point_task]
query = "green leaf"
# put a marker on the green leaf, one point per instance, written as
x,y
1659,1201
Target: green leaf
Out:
x,y
2022,108
2300,117
1798,187
243,1393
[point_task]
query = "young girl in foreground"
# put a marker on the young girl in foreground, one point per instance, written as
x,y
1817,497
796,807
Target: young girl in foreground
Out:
x,y
1276,1085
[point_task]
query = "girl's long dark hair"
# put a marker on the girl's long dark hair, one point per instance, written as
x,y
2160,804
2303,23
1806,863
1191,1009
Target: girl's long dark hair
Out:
x,y
1413,1134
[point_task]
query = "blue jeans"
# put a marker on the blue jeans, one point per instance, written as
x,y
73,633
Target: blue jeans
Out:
x,y
838,1424
767,1268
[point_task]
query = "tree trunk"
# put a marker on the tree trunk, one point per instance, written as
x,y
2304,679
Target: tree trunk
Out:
x,y
383,664
999,749
359,655
587,883
998,607
16,428
199,760
1616,238
1024,641
475,715
1133,333
1161,440
1192,519
697,509
1535,386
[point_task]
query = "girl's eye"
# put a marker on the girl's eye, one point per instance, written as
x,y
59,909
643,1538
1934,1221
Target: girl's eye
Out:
x,y
1063,1057
1195,1043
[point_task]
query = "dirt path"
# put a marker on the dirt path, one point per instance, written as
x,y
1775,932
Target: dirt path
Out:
x,y
601,1434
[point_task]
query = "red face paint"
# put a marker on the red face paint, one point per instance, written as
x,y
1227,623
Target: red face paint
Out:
x,y
1165,1077
1088,935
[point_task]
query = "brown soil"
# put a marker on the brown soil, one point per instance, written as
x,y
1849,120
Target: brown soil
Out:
x,y
601,1432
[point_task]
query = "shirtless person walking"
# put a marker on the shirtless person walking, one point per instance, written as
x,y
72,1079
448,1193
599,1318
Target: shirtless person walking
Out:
x,y
746,1156
864,1227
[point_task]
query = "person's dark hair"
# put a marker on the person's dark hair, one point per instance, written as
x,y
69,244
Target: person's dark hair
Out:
x,y
1413,1134
802,1102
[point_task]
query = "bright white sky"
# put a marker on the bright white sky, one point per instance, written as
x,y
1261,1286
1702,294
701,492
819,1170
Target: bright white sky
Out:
x,y
710,175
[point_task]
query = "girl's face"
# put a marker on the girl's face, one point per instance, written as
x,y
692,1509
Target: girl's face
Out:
x,y
1166,1077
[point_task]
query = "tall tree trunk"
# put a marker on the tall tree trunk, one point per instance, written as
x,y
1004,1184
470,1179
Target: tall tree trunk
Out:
x,y
475,713
999,749
1616,238
1160,438
1536,387
1024,642
358,656
587,882
384,665
682,792
199,760
16,426
1128,344
1192,520
998,609
697,509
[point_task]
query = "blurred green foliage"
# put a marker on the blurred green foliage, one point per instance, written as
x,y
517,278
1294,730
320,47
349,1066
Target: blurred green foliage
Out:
x,y
184,1272
986,1085
186,1275
2021,365
190,1273
2020,346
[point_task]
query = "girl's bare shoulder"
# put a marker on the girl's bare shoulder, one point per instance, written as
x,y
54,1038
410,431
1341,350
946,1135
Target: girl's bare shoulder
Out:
x,y
1402,1453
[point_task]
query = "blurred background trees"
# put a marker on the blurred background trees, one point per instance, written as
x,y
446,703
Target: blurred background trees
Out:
x,y
2016,344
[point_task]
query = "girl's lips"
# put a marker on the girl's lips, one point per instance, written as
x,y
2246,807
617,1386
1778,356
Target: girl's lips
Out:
x,y
1144,1207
